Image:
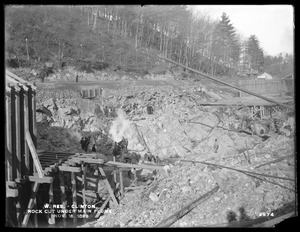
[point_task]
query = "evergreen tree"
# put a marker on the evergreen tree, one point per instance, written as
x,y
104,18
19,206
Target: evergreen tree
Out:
x,y
225,48
255,54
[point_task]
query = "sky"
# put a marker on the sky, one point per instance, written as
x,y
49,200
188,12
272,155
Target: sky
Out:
x,y
273,25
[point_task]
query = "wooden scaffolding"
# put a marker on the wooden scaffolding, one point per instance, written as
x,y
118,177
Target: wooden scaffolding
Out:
x,y
23,171
26,170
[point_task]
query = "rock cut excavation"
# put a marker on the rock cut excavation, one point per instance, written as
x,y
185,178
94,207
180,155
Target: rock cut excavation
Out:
x,y
89,144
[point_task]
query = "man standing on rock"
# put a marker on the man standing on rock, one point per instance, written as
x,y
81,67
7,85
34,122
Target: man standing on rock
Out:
x,y
82,142
85,143
76,78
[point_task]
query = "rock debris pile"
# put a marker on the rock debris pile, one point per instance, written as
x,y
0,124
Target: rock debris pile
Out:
x,y
169,122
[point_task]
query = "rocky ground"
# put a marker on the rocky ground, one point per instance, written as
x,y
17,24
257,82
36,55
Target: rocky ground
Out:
x,y
247,198
177,127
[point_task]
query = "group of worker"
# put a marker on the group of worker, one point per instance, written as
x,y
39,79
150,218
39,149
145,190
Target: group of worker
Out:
x,y
85,141
120,148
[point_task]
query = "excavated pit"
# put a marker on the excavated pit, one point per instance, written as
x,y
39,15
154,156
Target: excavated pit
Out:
x,y
172,124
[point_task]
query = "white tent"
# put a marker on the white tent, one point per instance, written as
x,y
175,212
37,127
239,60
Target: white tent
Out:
x,y
265,76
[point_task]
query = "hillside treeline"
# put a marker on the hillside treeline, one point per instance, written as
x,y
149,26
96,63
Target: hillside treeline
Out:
x,y
121,36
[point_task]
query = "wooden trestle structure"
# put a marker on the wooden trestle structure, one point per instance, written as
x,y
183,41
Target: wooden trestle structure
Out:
x,y
26,170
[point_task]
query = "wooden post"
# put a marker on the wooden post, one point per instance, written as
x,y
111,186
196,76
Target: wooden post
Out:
x,y
51,219
115,175
13,133
63,196
83,170
34,154
121,183
74,195
35,215
8,138
30,204
18,152
31,166
22,131
18,209
26,128
111,193
18,134
102,207
83,181
135,177
32,119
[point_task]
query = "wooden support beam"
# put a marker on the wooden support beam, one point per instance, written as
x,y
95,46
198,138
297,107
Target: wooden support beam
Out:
x,y
21,180
119,164
51,219
275,161
63,196
18,79
111,193
8,138
34,154
115,175
74,196
18,210
102,207
45,179
87,160
121,170
13,134
34,127
179,214
30,204
30,127
69,169
47,159
56,153
18,134
121,183
52,157
70,163
134,176
11,192
83,169
12,81
35,215
26,129
87,195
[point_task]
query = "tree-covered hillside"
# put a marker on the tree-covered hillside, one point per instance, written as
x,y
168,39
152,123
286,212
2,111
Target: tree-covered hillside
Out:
x,y
119,37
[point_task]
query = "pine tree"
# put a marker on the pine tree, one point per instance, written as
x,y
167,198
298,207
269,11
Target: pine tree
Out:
x,y
225,48
255,54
